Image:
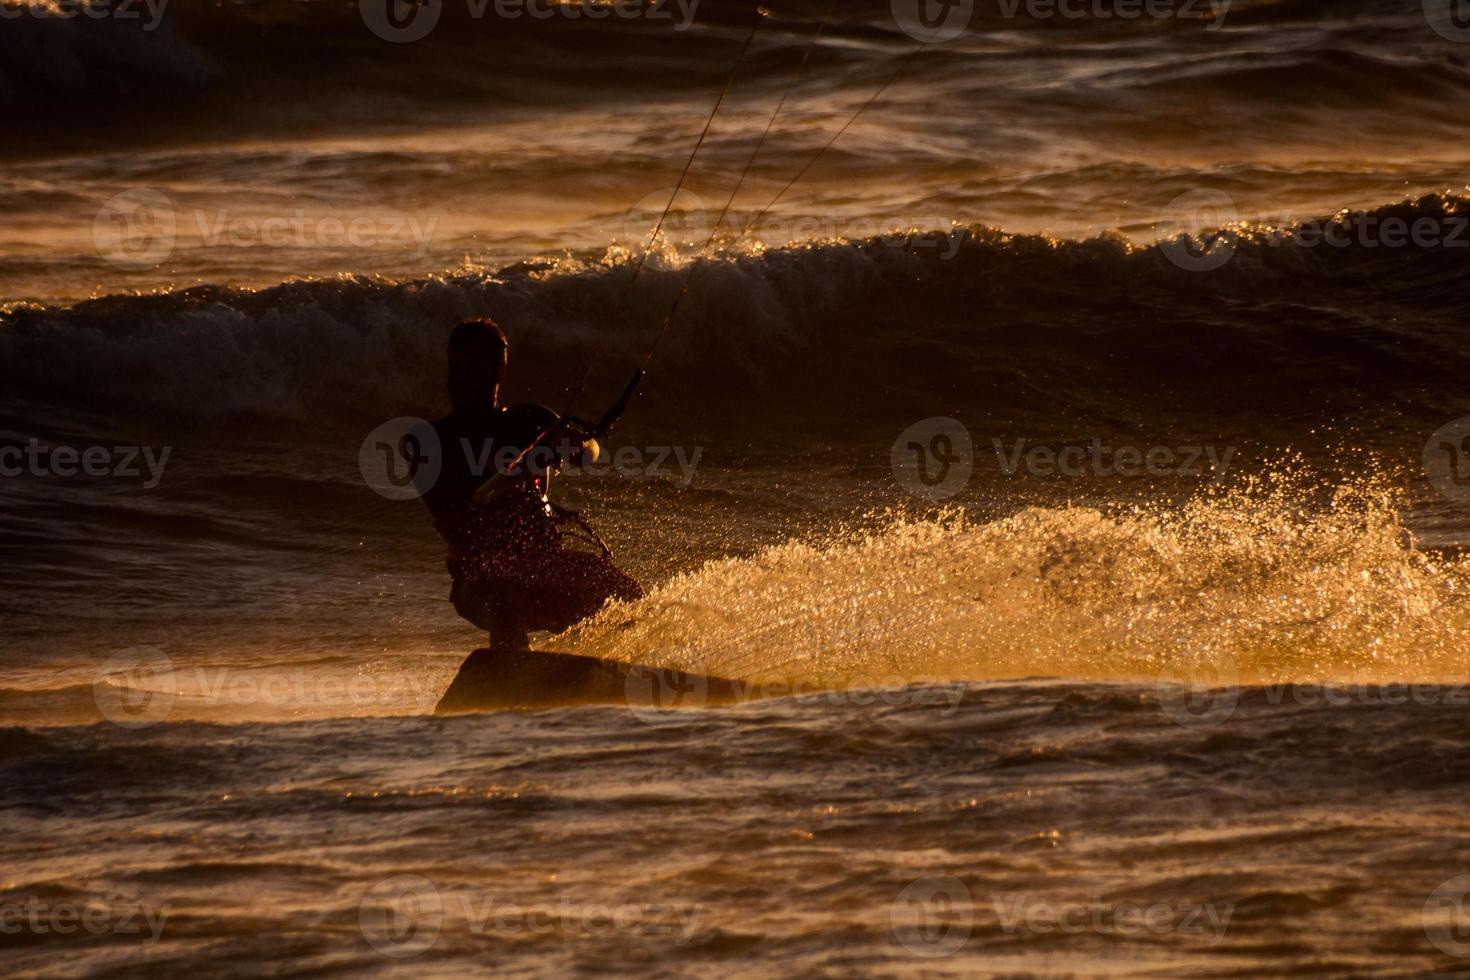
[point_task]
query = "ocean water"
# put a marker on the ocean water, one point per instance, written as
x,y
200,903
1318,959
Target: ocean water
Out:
x,y
1017,828
1071,468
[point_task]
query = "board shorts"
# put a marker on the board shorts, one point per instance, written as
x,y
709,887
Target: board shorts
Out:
x,y
563,590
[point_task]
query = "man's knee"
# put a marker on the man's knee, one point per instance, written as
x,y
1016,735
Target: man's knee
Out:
x,y
600,579
474,602
565,592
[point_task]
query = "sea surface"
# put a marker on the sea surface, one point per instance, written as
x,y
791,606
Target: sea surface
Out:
x,y
1072,466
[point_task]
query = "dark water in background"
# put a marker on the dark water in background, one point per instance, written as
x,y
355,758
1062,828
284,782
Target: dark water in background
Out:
x,y
282,610
491,140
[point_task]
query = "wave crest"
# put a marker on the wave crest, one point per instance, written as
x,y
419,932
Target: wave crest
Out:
x,y
1025,325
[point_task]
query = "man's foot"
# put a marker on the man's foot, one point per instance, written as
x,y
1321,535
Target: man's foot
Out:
x,y
509,637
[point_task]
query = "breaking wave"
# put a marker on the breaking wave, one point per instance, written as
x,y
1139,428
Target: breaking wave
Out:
x,y
1022,326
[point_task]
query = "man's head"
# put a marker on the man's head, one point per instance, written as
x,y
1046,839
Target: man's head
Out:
x,y
477,354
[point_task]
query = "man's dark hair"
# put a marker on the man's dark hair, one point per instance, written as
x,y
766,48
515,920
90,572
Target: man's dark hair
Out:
x,y
472,332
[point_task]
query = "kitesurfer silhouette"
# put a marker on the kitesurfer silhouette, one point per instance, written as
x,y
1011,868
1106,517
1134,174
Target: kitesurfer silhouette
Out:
x,y
519,562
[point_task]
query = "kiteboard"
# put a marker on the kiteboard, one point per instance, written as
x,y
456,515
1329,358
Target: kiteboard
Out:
x,y
526,679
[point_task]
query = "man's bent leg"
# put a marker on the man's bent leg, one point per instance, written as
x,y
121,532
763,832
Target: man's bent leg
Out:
x,y
576,585
571,586
495,606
